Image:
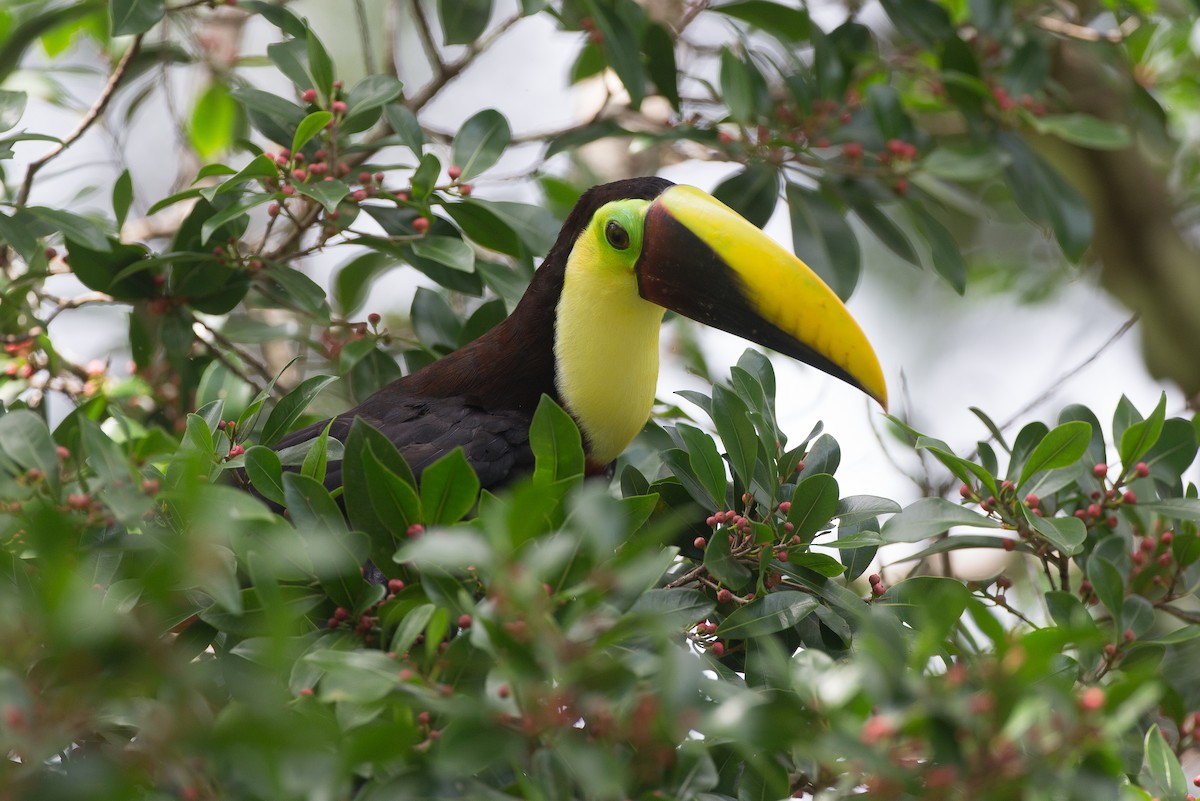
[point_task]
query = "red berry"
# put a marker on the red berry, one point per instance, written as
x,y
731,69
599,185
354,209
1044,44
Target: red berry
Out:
x,y
360,195
1129,636
236,450
14,717
502,691
423,718
338,107
699,542
454,172
414,530
718,649
465,190
395,585
1092,699
273,210
1032,500
1112,521
288,190
1100,470
421,225
852,150
464,621
1009,545
78,501
1129,497
373,318
785,507
1142,469
724,596
965,490
1094,510
309,96
1167,537
306,691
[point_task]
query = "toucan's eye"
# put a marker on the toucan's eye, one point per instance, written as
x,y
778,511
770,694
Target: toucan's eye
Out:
x,y
617,236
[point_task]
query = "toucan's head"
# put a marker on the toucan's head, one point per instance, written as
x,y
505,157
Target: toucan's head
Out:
x,y
683,250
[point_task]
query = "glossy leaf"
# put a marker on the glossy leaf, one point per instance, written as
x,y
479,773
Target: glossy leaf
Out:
x,y
131,17
265,472
449,488
813,504
824,240
480,142
930,516
291,406
1063,445
556,443
753,192
1140,437
773,612
463,21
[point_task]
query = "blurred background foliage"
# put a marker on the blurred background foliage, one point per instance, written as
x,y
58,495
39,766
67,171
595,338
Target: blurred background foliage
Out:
x,y
723,621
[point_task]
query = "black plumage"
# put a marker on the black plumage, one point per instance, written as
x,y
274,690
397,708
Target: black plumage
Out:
x,y
482,396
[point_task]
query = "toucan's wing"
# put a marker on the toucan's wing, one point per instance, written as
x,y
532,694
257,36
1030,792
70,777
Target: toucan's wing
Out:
x,y
495,442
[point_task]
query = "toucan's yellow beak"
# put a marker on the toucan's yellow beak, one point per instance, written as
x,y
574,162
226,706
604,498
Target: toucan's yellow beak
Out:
x,y
703,260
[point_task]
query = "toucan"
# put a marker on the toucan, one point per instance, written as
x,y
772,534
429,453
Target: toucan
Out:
x,y
586,332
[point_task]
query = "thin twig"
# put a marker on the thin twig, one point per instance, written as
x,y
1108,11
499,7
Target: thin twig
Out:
x,y
1182,614
364,36
92,115
1085,34
453,69
425,34
1057,385
228,344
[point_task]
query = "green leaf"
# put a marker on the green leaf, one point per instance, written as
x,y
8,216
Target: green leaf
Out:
x,y
886,231
392,498
12,108
1163,766
265,473
320,66
1174,508
1066,534
737,432
620,45
556,444
214,121
131,17
480,142
122,197
25,444
328,193
1108,583
1063,445
962,165
813,504
773,612
434,321
674,608
309,127
230,212
310,504
291,406
786,24
741,83
855,509
316,460
929,516
705,460
276,117
449,488
352,280
723,567
659,48
824,240
1140,437
1083,129
73,226
1046,197
963,469
752,192
405,124
448,250
372,92
463,21
943,250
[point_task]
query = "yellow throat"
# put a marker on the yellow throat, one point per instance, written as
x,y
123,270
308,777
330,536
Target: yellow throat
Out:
x,y
605,344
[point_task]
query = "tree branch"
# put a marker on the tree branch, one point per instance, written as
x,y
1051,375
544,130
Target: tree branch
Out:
x,y
93,114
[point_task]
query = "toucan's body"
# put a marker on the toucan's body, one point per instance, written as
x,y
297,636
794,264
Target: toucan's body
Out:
x,y
586,331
